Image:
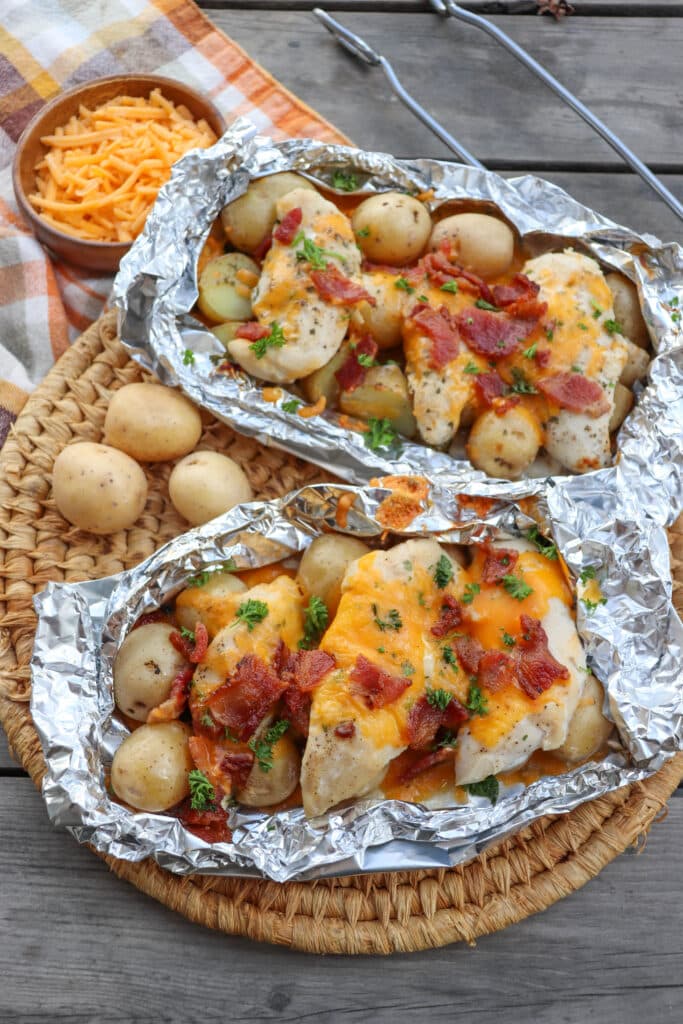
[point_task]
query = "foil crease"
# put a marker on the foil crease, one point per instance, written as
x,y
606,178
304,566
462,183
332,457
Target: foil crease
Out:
x,y
633,643
155,291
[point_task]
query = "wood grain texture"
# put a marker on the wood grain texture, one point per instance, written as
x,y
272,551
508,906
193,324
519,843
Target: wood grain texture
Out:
x,y
79,945
478,91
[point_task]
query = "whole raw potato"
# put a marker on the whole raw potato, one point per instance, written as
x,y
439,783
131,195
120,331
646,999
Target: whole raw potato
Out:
x,y
205,485
149,770
98,488
323,565
391,228
152,423
248,220
145,667
481,244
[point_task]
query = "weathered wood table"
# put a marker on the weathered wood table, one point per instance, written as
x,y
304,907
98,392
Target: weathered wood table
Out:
x,y
77,944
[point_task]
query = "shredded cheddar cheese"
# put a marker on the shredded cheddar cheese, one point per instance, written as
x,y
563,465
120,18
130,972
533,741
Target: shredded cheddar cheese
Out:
x,y
104,168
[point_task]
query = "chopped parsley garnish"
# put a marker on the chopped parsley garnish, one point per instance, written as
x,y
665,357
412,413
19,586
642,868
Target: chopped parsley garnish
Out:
x,y
344,182
450,286
421,599
407,669
200,579
443,572
547,548
471,589
448,655
516,587
251,612
508,640
613,327
438,698
550,334
380,434
313,254
449,739
275,339
597,311
315,622
520,384
187,634
483,304
590,606
207,720
582,327
477,702
471,368
530,352
488,787
422,298
404,284
202,793
363,233
576,368
391,621
365,360
188,357
291,405
589,573
263,748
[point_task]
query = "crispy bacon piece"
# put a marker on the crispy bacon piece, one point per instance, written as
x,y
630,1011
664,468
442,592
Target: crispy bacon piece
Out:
x,y
208,755
252,331
242,702
470,653
288,226
424,721
311,668
450,618
376,687
237,766
499,562
543,356
440,326
338,290
345,730
423,764
297,711
192,652
263,248
536,668
493,335
576,392
439,268
489,386
496,670
454,714
352,373
211,826
521,287
176,702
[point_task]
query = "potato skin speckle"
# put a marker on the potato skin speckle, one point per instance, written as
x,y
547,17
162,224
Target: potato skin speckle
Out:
x,y
98,488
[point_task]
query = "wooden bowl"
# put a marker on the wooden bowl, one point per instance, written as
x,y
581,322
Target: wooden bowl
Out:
x,y
103,256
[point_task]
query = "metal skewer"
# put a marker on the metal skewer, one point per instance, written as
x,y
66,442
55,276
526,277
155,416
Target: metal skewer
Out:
x,y
452,9
359,48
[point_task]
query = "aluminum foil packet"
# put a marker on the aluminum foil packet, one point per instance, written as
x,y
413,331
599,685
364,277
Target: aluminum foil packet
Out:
x,y
156,289
633,644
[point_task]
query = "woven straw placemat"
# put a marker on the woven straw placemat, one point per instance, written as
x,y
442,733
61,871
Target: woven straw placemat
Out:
x,y
379,913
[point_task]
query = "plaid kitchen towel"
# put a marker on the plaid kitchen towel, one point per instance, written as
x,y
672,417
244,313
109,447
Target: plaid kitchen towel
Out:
x,y
49,45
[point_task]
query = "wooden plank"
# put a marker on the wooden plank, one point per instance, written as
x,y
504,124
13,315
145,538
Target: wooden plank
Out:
x,y
7,762
80,945
478,91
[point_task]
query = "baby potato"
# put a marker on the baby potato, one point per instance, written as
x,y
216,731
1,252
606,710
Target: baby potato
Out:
x,y
623,403
206,603
384,320
248,220
225,286
263,789
98,488
149,770
588,729
504,445
383,394
205,485
323,565
391,228
323,382
152,423
145,666
627,309
226,332
636,364
482,244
